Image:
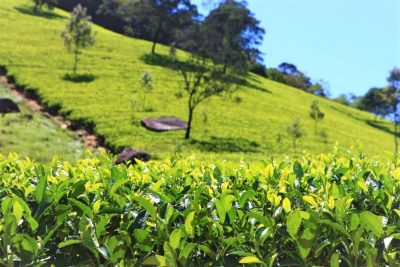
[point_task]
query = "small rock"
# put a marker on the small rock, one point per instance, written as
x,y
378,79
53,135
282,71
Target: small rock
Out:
x,y
129,155
8,106
161,124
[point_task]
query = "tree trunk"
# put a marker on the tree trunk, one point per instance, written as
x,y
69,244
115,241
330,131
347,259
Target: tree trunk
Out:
x,y
396,144
155,39
396,121
76,52
153,49
225,68
187,135
395,139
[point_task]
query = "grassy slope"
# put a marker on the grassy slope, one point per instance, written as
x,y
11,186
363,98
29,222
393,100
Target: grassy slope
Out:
x,y
32,50
37,137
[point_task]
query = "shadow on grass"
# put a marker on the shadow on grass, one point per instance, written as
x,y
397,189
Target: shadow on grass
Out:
x,y
29,10
348,113
167,62
224,144
79,78
382,126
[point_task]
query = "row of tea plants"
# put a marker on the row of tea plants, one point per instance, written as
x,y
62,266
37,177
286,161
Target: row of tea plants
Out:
x,y
336,209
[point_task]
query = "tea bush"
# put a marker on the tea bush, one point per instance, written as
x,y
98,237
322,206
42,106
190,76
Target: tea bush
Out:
x,y
336,209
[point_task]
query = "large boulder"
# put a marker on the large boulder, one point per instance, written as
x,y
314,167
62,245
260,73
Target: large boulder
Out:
x,y
8,106
128,156
162,124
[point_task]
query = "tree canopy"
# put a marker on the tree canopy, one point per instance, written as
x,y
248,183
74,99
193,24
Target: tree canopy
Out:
x,y
157,20
232,34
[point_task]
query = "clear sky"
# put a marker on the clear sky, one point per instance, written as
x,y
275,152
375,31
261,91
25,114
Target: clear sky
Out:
x,y
351,44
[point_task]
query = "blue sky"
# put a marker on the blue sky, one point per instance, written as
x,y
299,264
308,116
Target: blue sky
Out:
x,y
350,44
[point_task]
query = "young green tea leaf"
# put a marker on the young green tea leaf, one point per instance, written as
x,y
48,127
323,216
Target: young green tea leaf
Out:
x,y
189,224
293,222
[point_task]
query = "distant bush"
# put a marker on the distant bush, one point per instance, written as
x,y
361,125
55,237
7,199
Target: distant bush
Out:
x,y
39,4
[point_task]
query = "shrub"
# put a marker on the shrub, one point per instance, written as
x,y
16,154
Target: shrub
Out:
x,y
320,210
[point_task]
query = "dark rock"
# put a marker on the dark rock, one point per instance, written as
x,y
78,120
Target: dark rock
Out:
x,y
162,124
8,106
128,155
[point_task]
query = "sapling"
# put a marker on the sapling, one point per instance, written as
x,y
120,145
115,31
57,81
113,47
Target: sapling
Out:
x,y
147,82
78,33
295,131
316,115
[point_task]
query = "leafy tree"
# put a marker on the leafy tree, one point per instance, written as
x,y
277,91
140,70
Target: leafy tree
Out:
x,y
295,131
394,94
40,3
78,33
288,68
147,81
202,80
299,80
316,115
319,89
376,101
342,99
394,78
259,69
158,20
233,34
276,75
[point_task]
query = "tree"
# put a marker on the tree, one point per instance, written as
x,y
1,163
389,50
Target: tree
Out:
x,y
40,3
78,33
319,89
295,131
233,34
393,92
202,80
288,68
316,115
158,20
276,75
376,101
299,80
147,81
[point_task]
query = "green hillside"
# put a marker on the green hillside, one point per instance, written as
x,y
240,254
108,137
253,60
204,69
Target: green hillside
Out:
x,y
34,135
33,52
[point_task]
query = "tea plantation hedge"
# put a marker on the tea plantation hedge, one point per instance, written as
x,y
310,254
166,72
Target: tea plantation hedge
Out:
x,y
336,209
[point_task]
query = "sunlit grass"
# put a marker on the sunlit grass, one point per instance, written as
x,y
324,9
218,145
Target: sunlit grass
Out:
x,y
34,135
33,52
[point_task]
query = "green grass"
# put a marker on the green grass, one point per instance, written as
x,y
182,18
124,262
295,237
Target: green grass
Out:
x,y
32,134
33,52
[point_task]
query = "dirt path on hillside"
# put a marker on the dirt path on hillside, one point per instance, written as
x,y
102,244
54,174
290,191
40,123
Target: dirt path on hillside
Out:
x,y
89,140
